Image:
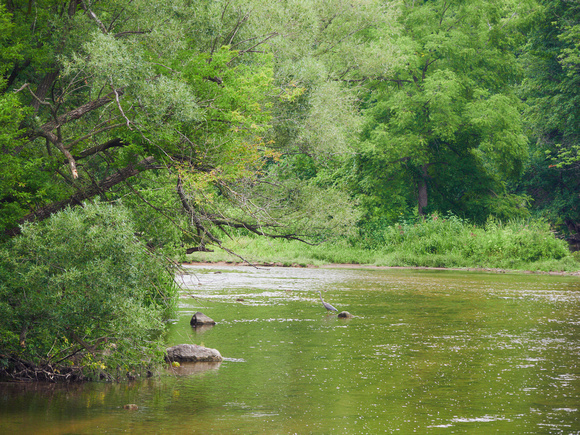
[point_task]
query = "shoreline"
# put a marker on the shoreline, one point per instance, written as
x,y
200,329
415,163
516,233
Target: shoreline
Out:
x,y
372,266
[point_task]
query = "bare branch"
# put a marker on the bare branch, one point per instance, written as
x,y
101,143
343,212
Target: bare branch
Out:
x,y
80,111
24,86
94,17
113,143
237,27
38,100
241,52
54,139
121,109
93,133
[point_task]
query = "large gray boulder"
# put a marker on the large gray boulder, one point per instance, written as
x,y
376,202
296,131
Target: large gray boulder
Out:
x,y
201,319
192,353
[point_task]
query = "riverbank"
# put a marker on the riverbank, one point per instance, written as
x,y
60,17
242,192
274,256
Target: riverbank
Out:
x,y
433,243
375,267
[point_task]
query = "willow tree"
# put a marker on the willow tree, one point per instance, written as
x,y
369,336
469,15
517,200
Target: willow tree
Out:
x,y
323,54
163,105
443,131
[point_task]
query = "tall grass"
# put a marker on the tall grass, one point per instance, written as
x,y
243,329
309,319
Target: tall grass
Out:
x,y
436,241
452,242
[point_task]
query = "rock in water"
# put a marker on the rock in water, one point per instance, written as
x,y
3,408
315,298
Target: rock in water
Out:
x,y
201,319
192,353
345,315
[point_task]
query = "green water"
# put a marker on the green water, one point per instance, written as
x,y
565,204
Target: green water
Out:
x,y
427,352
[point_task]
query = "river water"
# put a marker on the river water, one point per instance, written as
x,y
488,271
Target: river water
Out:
x,y
426,352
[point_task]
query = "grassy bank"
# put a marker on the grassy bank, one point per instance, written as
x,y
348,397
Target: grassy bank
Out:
x,y
435,242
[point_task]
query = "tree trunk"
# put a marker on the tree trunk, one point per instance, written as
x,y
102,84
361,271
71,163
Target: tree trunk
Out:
x,y
422,194
43,89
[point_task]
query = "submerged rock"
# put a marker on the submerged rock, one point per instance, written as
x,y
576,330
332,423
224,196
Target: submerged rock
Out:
x,y
345,315
200,329
191,368
192,353
201,319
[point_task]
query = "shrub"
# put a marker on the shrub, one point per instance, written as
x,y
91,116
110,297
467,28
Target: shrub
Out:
x,y
81,297
453,242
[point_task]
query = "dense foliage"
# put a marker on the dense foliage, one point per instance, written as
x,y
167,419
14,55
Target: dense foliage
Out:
x,y
166,104
231,114
443,131
309,120
433,241
81,297
552,91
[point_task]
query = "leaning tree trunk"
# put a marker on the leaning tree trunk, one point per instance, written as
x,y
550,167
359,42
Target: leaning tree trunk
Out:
x,y
95,189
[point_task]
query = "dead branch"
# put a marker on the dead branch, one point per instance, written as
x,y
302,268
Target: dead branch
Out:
x,y
79,111
91,14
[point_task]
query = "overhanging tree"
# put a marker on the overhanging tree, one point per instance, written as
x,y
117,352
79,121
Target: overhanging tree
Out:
x,y
176,96
161,107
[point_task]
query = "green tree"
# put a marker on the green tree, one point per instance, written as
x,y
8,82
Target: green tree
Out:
x,y
323,54
116,90
551,88
172,106
11,115
444,130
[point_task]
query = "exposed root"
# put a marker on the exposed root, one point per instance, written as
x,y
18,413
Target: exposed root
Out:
x,y
25,371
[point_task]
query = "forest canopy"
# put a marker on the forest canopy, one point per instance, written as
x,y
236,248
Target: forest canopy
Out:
x,y
204,116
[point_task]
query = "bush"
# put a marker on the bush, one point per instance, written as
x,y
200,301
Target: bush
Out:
x,y
451,241
81,297
435,241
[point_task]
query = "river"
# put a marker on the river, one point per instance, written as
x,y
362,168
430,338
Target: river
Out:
x,y
426,352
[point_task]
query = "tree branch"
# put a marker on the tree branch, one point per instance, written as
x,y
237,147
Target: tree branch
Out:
x,y
113,143
94,17
57,143
121,108
79,111
93,133
241,52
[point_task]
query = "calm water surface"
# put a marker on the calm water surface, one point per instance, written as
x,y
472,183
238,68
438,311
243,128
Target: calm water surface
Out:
x,y
427,352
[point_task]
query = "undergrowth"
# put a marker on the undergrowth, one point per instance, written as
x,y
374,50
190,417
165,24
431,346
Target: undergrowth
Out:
x,y
435,241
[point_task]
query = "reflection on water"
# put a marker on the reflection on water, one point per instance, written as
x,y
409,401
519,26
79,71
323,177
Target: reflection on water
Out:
x,y
190,368
427,352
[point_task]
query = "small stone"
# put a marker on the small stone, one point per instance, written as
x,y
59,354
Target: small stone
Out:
x,y
345,315
201,319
